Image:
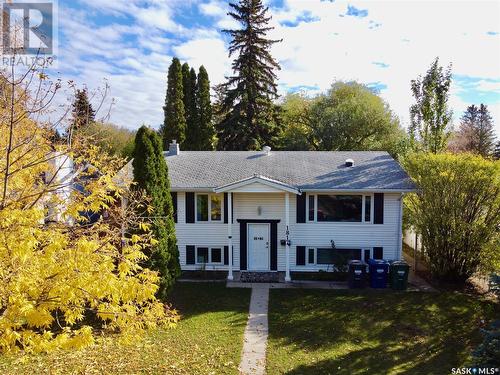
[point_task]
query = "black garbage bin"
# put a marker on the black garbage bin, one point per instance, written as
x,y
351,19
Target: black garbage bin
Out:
x,y
379,270
357,274
398,275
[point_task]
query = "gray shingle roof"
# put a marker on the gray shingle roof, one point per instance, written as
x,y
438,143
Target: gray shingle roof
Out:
x,y
306,170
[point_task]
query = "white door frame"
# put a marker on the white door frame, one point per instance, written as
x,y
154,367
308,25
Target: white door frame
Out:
x,y
249,248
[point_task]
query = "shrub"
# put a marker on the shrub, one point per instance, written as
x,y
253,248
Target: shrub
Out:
x,y
456,211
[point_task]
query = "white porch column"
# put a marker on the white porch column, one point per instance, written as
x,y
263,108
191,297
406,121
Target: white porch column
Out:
x,y
230,234
287,246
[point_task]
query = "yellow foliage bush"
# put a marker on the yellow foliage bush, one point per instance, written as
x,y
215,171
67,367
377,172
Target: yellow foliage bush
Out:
x,y
65,280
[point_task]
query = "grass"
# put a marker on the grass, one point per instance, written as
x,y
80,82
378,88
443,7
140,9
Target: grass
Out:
x,y
208,340
375,332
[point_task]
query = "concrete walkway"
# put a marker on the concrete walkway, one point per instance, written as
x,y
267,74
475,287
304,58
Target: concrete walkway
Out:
x,y
253,357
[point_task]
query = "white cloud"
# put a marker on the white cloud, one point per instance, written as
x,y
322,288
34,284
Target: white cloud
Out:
x,y
213,8
409,36
209,52
404,35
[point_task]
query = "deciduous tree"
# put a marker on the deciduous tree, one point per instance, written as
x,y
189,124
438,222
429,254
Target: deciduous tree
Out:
x,y
456,211
430,115
61,278
110,138
297,133
350,116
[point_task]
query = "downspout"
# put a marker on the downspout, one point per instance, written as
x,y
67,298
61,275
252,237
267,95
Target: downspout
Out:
x,y
400,228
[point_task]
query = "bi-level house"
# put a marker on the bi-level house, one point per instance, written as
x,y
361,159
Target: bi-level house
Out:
x,y
269,211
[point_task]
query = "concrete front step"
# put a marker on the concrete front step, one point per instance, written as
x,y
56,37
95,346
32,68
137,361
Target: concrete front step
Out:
x,y
259,277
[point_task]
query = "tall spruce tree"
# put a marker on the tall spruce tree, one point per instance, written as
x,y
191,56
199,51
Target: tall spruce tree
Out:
x,y
206,138
151,176
496,152
191,110
466,137
82,112
476,133
174,124
485,132
430,115
250,122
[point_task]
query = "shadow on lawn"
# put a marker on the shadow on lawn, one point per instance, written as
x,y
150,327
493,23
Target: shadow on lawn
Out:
x,y
374,332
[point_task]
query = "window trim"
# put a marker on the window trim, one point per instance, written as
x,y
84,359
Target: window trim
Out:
x,y
363,205
209,205
314,249
210,248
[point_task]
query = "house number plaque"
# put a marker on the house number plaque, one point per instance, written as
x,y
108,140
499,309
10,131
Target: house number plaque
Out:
x,y
258,238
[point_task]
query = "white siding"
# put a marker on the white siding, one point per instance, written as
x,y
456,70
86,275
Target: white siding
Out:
x,y
345,235
257,187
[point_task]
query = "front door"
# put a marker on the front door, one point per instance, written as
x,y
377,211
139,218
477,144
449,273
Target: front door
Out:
x,y
258,247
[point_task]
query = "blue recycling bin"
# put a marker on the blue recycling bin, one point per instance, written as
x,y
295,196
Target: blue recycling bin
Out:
x,y
379,271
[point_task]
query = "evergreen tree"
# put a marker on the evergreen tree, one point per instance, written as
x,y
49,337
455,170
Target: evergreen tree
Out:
x,y
430,115
485,132
496,153
82,112
466,138
206,138
151,176
192,117
174,124
250,121
476,132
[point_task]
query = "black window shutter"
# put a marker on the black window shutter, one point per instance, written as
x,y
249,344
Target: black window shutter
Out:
x,y
189,207
378,253
190,254
243,246
226,255
226,214
378,203
174,204
301,208
274,246
300,258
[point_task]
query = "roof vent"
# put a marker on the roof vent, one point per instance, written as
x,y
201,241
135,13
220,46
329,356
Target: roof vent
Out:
x,y
266,149
173,148
349,162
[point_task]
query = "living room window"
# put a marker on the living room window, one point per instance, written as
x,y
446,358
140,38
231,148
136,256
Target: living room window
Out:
x,y
341,208
208,207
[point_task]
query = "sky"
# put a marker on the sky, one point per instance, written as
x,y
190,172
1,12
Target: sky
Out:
x,y
384,44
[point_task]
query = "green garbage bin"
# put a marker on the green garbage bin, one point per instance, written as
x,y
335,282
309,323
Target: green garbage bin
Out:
x,y
398,275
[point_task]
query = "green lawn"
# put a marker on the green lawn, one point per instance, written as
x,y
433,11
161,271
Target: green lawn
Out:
x,y
208,340
372,332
